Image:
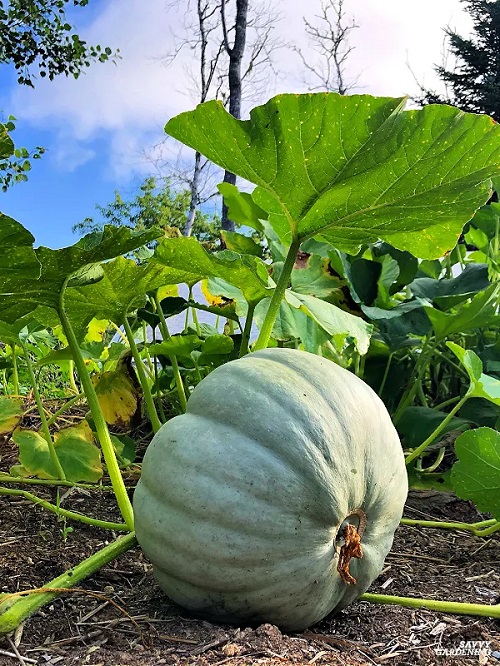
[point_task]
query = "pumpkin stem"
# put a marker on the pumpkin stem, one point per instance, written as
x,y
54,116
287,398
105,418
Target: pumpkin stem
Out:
x,y
350,548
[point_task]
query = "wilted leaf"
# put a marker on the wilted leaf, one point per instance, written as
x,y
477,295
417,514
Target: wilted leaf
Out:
x,y
118,395
79,456
11,411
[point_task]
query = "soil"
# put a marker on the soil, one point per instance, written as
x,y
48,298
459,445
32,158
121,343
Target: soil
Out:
x,y
121,617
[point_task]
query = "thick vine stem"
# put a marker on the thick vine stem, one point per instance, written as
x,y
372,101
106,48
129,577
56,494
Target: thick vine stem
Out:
x,y
245,338
65,513
279,292
45,426
420,449
108,451
15,374
483,528
173,359
416,376
456,607
148,398
13,611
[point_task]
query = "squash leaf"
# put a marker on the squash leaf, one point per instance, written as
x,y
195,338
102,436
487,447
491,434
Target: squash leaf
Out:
x,y
80,458
480,312
17,256
189,262
333,322
476,474
118,395
122,289
241,243
11,411
57,266
354,169
482,386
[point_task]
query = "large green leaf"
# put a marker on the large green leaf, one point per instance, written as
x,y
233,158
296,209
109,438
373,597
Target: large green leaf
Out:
x,y
17,256
417,423
337,324
476,475
26,293
189,262
123,288
354,169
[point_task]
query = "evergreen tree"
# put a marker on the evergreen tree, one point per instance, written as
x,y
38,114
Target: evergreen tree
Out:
x,y
474,84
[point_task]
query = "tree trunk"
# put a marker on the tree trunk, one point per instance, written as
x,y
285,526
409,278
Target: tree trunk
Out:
x,y
193,201
234,78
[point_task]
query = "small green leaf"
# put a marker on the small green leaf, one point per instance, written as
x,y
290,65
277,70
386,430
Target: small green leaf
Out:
x,y
417,423
482,386
176,345
480,312
124,447
476,475
241,244
471,361
448,293
217,344
334,321
242,209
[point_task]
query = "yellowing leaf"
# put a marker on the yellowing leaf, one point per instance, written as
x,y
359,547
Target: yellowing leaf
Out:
x,y
118,395
96,330
168,291
11,411
79,456
212,299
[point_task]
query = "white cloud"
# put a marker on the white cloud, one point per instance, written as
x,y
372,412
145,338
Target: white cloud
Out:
x,y
129,103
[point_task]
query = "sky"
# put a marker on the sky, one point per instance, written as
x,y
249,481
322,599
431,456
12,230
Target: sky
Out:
x,y
102,131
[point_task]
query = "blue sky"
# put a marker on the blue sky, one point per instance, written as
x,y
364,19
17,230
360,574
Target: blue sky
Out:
x,y
99,129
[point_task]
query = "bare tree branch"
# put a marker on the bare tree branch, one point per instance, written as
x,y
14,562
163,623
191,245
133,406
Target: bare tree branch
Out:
x,y
329,38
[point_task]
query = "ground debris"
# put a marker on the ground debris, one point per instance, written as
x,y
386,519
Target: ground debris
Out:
x,y
83,630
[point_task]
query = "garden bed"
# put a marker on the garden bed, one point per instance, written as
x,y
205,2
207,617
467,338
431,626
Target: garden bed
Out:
x,y
123,618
